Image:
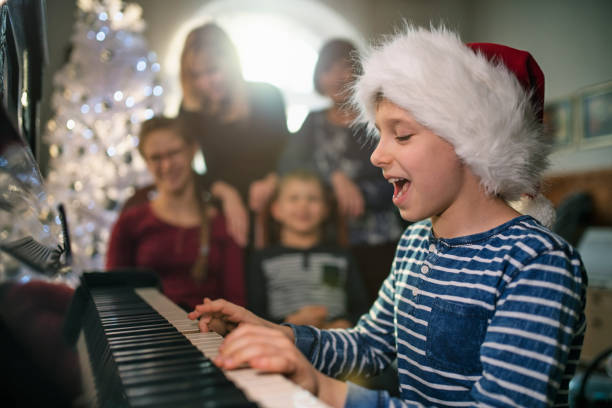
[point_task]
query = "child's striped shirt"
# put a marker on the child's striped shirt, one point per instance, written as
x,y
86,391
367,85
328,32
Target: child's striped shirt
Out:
x,y
492,319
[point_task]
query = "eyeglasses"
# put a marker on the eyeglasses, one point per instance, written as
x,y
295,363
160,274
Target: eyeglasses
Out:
x,y
156,159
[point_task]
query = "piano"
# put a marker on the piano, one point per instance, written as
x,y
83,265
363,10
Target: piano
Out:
x,y
138,349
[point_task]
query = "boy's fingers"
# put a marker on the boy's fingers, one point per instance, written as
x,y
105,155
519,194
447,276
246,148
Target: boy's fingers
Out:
x,y
251,345
243,355
212,306
204,327
246,333
273,363
218,326
222,316
247,328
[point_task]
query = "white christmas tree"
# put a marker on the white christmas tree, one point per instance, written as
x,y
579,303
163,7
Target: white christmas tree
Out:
x,y
107,88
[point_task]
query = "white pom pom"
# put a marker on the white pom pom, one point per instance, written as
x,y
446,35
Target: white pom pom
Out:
x,y
539,207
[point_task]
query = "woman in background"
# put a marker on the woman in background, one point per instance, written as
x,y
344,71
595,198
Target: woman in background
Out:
x,y
177,234
328,145
240,126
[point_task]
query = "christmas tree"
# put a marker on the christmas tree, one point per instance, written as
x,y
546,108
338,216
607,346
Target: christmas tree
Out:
x,y
107,88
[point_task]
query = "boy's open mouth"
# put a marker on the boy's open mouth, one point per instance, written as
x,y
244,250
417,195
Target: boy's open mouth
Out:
x,y
400,186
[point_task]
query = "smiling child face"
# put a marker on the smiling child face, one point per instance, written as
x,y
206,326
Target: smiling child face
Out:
x,y
427,175
300,206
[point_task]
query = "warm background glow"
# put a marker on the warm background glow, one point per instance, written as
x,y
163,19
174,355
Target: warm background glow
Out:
x,y
277,42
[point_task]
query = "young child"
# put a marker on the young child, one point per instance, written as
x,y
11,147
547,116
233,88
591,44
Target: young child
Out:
x,y
484,306
302,279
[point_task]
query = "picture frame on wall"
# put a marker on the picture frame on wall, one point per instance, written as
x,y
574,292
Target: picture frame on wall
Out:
x,y
559,123
596,115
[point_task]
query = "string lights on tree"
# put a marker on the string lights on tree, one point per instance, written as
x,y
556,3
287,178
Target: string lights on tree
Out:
x,y
107,88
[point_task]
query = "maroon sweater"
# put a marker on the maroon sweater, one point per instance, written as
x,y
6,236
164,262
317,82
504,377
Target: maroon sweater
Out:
x,y
140,239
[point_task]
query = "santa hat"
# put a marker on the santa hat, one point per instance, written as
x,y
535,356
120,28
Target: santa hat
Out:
x,y
485,99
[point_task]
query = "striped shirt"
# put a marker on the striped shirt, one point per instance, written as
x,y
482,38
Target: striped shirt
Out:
x,y
282,280
492,319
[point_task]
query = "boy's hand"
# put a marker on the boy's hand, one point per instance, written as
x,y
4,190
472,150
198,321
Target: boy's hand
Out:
x,y
266,350
312,315
222,317
269,351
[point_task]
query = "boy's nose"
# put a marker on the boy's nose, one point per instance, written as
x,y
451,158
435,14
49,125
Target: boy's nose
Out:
x,y
379,156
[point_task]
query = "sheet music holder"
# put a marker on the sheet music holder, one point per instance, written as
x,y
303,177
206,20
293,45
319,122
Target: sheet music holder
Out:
x,y
65,234
39,257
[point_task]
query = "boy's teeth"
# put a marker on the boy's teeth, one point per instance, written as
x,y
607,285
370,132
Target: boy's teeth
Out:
x,y
398,186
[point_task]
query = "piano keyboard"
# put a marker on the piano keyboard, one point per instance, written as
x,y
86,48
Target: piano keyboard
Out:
x,y
139,349
267,390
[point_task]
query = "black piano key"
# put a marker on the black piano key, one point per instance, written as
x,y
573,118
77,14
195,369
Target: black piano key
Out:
x,y
143,339
186,361
162,355
159,342
157,374
138,329
217,397
163,380
156,350
110,321
177,385
125,313
135,372
118,323
213,404
126,330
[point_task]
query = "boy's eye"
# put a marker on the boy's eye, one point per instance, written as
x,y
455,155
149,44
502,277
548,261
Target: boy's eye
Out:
x,y
403,138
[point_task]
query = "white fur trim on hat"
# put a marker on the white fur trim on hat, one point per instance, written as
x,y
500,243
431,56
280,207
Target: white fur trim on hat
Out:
x,y
539,207
476,105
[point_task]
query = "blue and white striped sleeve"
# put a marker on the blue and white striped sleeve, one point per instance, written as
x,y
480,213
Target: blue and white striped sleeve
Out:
x,y
364,350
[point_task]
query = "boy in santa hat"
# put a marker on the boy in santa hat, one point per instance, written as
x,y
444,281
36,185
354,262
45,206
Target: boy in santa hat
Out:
x,y
484,305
